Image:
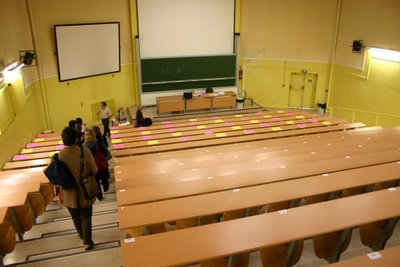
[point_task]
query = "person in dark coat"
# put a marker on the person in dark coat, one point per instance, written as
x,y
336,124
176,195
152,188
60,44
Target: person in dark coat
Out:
x,y
140,120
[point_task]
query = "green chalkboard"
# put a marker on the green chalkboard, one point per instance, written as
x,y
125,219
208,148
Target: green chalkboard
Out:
x,y
187,72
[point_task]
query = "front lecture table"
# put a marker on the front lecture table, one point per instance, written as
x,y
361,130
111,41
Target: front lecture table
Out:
x,y
205,101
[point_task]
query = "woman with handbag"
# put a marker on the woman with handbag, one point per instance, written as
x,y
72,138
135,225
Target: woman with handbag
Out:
x,y
74,199
99,152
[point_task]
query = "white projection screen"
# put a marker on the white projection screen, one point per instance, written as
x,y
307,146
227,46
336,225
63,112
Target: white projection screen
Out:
x,y
85,50
179,28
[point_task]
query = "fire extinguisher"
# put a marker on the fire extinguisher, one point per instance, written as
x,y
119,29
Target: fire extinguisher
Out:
x,y
240,74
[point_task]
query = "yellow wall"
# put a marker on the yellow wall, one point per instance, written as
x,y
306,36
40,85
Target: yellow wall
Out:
x,y
368,86
293,30
68,100
21,111
28,122
374,89
268,81
281,37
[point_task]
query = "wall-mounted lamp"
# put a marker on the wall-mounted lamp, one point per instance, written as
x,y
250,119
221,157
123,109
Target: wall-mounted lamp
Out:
x,y
385,54
27,56
357,46
11,72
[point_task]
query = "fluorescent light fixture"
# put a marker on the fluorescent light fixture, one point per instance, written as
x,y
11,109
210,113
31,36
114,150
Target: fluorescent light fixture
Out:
x,y
11,72
390,55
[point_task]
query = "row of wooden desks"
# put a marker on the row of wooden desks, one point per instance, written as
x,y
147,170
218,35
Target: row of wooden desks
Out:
x,y
208,184
254,127
201,243
246,163
207,154
209,122
199,129
221,133
253,196
30,159
219,186
205,142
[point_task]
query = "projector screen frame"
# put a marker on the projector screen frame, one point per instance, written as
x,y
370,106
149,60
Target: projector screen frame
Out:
x,y
115,67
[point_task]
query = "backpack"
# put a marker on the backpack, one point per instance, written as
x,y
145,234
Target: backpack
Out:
x,y
100,159
147,122
59,174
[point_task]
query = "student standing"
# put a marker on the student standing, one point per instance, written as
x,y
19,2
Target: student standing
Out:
x,y
80,209
105,115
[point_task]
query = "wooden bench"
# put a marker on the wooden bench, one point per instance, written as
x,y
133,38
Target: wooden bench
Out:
x,y
20,214
255,232
7,235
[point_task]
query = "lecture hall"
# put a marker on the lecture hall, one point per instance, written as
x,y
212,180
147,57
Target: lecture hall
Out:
x,y
199,133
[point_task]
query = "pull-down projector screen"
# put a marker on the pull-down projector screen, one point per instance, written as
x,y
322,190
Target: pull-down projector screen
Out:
x,y
179,28
85,50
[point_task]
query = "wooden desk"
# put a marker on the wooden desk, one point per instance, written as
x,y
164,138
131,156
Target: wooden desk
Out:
x,y
130,191
244,163
49,149
389,257
46,135
245,160
219,125
26,164
19,188
277,115
205,101
251,233
203,133
205,155
236,139
224,101
33,156
44,143
198,102
170,104
247,197
24,174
